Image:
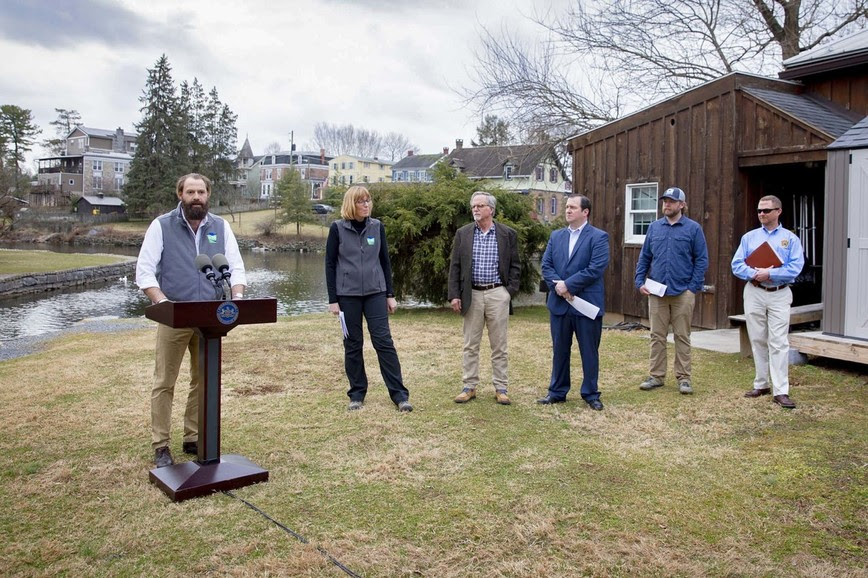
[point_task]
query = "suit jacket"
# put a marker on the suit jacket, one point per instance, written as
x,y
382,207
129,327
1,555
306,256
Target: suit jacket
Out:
x,y
582,272
460,273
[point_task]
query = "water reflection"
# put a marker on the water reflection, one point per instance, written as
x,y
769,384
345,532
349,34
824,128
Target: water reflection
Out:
x,y
297,280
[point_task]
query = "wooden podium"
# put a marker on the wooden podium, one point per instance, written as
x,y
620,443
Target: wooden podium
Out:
x,y
211,472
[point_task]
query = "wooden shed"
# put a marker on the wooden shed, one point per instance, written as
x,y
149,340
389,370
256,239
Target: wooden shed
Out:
x,y
727,143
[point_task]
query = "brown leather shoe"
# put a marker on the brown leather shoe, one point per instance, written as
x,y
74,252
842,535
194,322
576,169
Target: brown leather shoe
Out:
x,y
466,395
784,401
501,397
758,392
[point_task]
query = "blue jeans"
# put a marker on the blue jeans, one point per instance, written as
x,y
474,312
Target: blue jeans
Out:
x,y
373,307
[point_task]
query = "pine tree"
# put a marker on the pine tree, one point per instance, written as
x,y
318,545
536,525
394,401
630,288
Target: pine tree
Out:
x,y
294,198
17,131
67,119
162,146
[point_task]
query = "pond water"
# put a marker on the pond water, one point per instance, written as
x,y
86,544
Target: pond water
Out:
x,y
297,280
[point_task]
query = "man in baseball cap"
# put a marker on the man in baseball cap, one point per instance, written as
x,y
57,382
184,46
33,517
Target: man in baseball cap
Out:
x,y
675,255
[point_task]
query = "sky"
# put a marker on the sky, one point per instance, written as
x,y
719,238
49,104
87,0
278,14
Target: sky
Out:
x,y
281,66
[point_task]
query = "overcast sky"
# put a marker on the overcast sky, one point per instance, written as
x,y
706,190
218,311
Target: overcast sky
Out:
x,y
281,66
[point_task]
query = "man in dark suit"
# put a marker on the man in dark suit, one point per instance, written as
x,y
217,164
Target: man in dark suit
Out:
x,y
484,275
572,267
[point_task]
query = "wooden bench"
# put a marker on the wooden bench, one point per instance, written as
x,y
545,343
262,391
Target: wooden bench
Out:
x,y
798,316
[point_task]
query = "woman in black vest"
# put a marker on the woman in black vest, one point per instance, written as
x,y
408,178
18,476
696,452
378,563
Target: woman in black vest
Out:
x,y
359,282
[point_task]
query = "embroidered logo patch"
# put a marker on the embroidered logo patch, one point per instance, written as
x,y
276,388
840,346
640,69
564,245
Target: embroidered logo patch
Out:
x,y
227,313
785,243
371,241
212,237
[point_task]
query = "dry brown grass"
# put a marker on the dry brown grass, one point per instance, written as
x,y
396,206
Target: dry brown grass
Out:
x,y
658,484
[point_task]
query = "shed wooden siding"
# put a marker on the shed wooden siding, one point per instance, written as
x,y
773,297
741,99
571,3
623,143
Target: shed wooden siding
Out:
x,y
835,242
848,90
768,136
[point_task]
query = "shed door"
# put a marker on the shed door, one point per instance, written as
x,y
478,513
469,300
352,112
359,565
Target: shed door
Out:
x,y
856,318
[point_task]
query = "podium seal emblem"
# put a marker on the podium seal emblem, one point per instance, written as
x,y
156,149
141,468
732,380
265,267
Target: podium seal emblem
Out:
x,y
227,313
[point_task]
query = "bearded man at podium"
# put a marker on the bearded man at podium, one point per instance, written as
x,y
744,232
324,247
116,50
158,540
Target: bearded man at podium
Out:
x,y
167,271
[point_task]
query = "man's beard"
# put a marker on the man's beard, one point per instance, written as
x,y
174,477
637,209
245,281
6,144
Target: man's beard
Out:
x,y
195,212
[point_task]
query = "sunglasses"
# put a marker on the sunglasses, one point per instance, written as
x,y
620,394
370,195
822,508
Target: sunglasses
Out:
x,y
766,211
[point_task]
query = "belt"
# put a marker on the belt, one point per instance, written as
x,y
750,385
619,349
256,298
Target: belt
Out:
x,y
769,289
486,287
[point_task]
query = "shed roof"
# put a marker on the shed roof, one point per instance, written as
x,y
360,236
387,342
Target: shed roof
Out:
x,y
855,138
98,201
489,161
816,112
849,51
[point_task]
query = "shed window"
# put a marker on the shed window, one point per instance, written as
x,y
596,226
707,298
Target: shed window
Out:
x,y
538,173
554,205
553,174
507,172
641,211
539,205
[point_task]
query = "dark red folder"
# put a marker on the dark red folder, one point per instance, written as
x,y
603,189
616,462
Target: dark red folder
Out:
x,y
763,257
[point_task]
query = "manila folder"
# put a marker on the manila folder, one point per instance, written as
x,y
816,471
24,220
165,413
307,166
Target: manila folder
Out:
x,y
763,257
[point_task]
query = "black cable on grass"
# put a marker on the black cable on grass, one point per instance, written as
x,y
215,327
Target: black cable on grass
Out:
x,y
295,535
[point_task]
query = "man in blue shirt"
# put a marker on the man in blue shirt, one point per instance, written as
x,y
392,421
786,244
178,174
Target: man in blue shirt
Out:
x,y
767,300
675,255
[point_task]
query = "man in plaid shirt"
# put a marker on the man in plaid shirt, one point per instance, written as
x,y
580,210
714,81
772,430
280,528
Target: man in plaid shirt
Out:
x,y
483,278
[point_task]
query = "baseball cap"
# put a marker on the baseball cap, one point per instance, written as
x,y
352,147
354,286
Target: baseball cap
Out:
x,y
675,194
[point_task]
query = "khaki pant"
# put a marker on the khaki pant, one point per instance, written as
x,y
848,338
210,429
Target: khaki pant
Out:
x,y
171,346
767,315
677,311
487,308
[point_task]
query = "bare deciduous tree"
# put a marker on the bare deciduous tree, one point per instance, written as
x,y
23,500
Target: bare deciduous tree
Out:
x,y
349,140
272,148
396,145
613,54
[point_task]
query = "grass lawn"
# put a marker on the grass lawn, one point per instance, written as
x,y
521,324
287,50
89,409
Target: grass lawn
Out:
x,y
244,224
658,484
15,262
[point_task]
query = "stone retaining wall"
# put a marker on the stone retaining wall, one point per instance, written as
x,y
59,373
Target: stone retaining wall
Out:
x,y
30,283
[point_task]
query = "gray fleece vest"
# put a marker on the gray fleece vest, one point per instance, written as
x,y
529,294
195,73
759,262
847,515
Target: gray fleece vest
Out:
x,y
177,274
359,271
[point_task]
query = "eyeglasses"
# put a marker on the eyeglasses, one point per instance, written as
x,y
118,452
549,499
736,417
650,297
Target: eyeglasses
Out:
x,y
478,206
766,211
363,202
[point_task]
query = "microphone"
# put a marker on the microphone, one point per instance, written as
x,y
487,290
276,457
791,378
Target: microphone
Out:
x,y
204,264
222,265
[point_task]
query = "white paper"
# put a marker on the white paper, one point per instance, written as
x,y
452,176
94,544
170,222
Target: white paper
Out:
x,y
343,324
585,308
655,288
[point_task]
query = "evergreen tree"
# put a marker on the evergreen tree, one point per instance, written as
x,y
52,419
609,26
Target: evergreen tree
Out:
x,y
294,199
492,131
162,146
17,131
67,119
421,221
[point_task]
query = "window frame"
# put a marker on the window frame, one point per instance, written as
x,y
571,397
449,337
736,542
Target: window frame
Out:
x,y
630,212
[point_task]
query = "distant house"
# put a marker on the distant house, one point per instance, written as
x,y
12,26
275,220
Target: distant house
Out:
x,y
94,161
351,170
526,169
268,169
99,205
415,168
243,164
727,143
